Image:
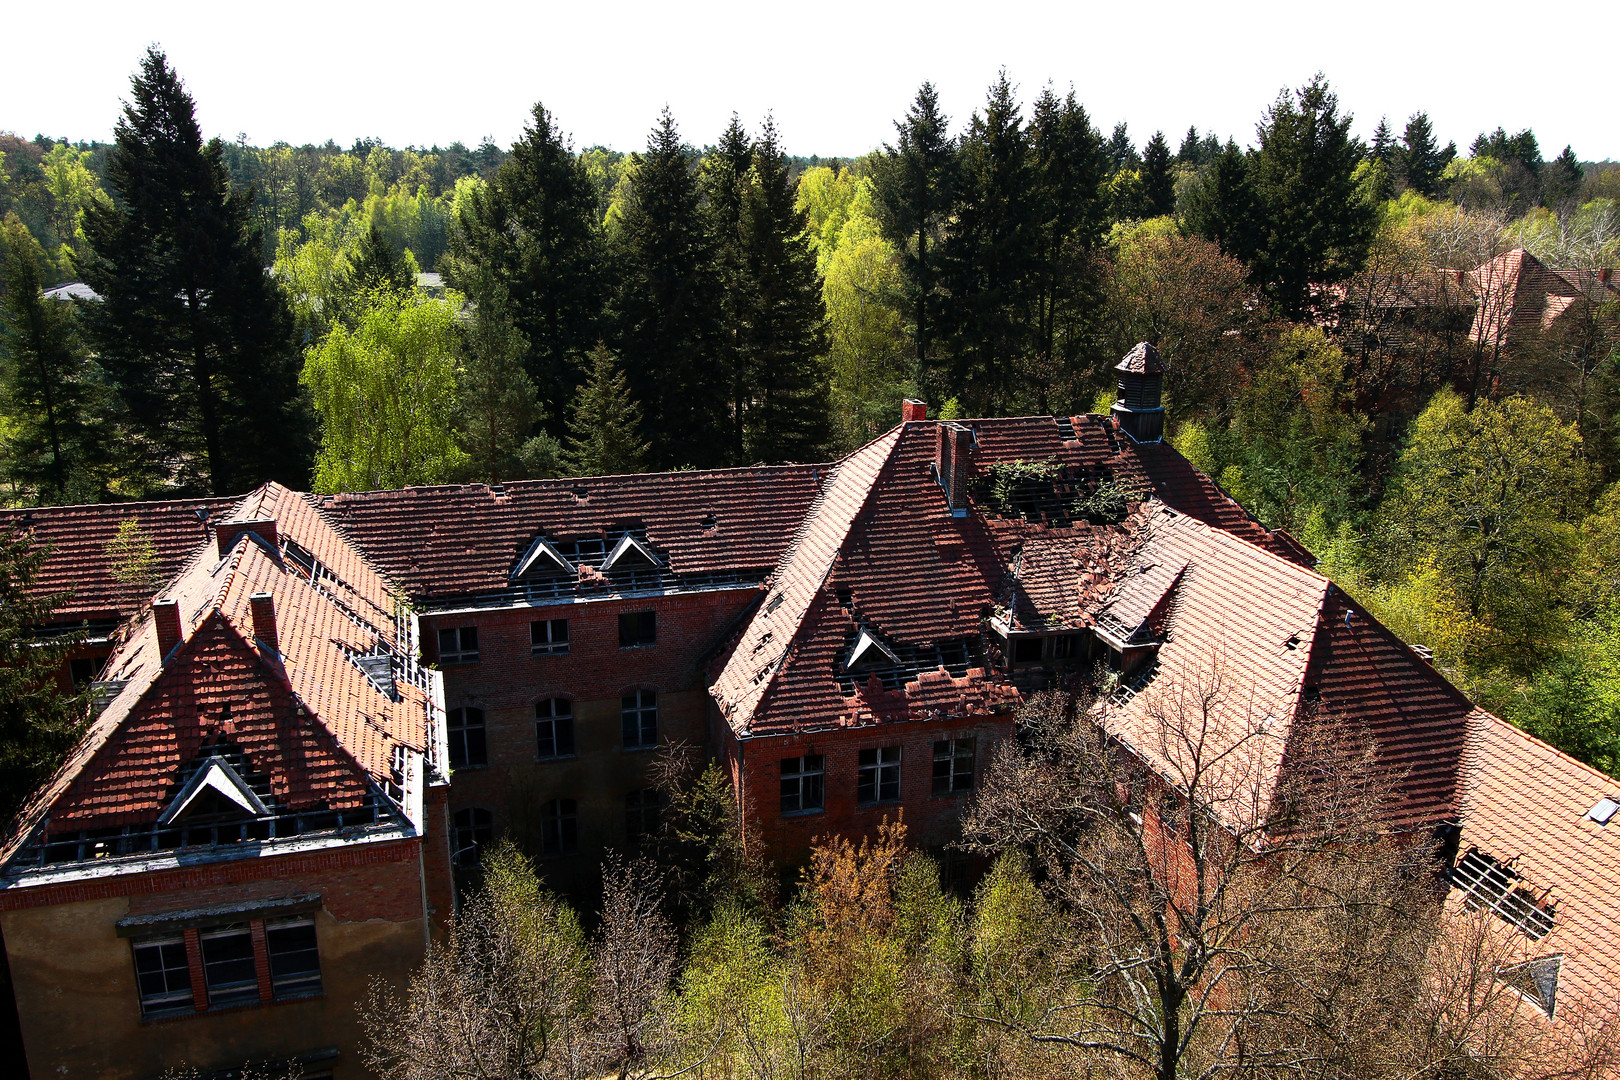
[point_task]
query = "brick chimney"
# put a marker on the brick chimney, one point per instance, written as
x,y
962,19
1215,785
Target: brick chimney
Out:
x,y
166,617
227,533
913,410
264,620
951,463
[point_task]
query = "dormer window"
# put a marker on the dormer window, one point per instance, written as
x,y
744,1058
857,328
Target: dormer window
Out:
x,y
629,554
868,651
215,793
543,560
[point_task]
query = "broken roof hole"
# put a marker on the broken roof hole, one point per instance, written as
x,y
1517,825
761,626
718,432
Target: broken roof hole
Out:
x,y
774,603
581,493
709,521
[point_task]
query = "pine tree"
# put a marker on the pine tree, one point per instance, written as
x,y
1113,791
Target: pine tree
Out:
x,y
1316,224
38,722
1382,148
535,229
495,398
1191,152
726,177
785,333
989,257
51,400
669,307
197,337
1222,208
1121,151
1418,161
604,425
1561,179
1158,177
376,265
914,188
1070,171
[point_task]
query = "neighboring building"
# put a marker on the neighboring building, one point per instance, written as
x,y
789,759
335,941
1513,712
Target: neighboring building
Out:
x,y
254,826
849,640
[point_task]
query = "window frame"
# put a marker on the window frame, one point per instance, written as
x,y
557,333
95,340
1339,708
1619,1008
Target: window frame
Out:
x,y
172,1000
559,828
873,775
807,775
295,984
643,632
543,639
463,653
470,829
560,726
645,714
229,993
951,756
457,730
643,813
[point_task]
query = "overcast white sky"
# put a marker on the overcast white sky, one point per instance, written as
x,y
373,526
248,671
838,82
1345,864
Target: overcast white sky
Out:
x,y
835,74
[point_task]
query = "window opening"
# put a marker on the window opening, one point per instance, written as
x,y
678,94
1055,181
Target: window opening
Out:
x,y
548,637
1604,811
559,827
643,813
878,776
953,766
639,713
637,628
163,976
474,827
229,972
295,963
803,783
1536,981
554,728
458,645
1488,883
465,728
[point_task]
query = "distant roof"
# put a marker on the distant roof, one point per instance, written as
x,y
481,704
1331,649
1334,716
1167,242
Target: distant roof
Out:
x,y
76,290
428,279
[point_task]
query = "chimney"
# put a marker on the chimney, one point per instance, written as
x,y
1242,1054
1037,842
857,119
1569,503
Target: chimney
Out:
x,y
913,410
1605,274
951,464
166,617
227,533
264,620
1139,410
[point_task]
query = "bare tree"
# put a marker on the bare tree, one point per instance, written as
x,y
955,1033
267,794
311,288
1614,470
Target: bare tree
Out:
x,y
634,956
505,996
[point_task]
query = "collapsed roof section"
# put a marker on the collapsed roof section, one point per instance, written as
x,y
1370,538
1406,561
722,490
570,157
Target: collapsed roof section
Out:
x,y
246,668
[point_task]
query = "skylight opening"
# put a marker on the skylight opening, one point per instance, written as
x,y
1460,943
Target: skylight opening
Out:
x,y
774,603
1488,883
1604,811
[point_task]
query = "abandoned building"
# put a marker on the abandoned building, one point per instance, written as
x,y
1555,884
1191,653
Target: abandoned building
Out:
x,y
312,708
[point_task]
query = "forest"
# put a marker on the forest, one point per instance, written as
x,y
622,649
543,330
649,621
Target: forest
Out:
x,y
370,317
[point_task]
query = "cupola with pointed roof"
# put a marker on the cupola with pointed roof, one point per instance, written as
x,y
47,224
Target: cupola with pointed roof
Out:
x,y
1139,408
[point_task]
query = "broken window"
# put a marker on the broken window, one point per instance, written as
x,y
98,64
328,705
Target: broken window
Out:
x,y
163,976
458,645
474,827
878,777
295,963
803,783
643,812
229,972
953,766
548,637
638,711
467,744
559,827
554,728
637,628
1536,981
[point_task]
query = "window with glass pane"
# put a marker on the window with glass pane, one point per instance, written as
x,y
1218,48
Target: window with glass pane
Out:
x,y
554,728
559,827
162,976
458,645
639,710
228,968
474,827
466,731
548,637
878,778
953,766
642,813
803,783
295,964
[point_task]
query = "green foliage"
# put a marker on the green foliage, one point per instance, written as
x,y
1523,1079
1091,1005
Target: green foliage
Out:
x,y
604,425
498,407
385,393
39,723
1007,479
132,557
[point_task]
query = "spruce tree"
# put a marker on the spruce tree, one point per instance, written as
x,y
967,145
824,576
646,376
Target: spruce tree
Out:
x,y
1315,223
604,425
535,230
669,311
990,256
1418,161
914,195
785,333
726,182
1561,179
1382,149
376,265
1223,209
495,398
1121,151
53,403
197,337
1072,217
1191,153
1158,177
